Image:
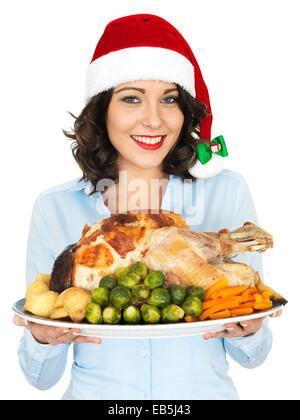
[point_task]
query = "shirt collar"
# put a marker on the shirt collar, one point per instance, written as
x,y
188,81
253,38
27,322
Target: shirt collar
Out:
x,y
87,186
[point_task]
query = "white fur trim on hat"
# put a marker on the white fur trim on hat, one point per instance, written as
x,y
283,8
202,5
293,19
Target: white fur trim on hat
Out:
x,y
139,63
214,166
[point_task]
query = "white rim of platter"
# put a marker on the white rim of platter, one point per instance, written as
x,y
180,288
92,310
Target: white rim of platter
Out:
x,y
179,329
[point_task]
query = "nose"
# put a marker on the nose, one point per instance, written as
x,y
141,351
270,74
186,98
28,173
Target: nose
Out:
x,y
152,117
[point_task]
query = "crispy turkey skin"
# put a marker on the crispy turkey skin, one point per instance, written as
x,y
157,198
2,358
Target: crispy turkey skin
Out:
x,y
163,242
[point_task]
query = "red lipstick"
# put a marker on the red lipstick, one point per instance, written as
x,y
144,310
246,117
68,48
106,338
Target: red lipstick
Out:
x,y
150,146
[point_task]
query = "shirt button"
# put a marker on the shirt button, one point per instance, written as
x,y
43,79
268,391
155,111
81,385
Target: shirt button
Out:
x,y
144,353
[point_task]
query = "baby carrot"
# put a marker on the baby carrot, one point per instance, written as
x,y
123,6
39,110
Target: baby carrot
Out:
x,y
249,299
220,284
245,294
189,318
258,298
246,305
241,311
232,291
220,315
228,304
263,305
266,294
209,303
252,290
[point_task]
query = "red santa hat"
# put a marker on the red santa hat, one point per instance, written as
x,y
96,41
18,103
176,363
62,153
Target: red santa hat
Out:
x,y
147,47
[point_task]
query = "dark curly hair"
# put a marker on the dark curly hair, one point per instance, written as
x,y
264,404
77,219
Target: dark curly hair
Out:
x,y
97,157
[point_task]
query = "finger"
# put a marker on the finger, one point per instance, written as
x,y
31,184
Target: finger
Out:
x,y
251,326
228,333
61,335
18,321
37,330
275,314
82,339
55,333
49,335
220,334
67,336
242,329
235,330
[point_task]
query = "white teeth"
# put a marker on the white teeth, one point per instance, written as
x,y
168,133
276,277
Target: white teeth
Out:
x,y
148,140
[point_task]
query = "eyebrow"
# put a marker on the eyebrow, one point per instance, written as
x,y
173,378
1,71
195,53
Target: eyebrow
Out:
x,y
143,90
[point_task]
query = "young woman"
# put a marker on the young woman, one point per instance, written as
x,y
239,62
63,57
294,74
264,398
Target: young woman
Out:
x,y
147,110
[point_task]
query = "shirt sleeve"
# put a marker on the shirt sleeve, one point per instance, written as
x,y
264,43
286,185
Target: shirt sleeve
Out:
x,y
42,365
40,255
248,351
253,350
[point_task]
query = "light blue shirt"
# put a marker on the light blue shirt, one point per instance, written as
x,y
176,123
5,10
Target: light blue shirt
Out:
x,y
182,368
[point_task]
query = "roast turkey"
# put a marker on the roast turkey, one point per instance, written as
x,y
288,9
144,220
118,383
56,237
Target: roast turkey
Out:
x,y
163,242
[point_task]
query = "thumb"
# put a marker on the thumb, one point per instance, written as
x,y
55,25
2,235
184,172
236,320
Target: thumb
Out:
x,y
19,322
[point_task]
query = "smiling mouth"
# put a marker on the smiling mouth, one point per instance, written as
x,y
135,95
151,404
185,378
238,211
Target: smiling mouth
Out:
x,y
148,139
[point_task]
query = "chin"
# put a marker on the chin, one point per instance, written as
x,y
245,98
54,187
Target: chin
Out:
x,y
148,164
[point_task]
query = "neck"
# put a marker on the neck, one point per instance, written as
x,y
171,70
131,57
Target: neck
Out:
x,y
137,189
147,174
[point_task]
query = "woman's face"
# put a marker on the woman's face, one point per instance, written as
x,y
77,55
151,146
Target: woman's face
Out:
x,y
143,112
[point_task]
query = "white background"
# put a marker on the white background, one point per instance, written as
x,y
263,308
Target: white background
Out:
x,y
248,53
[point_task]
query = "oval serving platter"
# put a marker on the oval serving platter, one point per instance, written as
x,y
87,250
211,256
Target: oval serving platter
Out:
x,y
179,329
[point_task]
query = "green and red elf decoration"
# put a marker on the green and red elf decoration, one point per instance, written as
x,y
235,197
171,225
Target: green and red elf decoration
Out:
x,y
147,47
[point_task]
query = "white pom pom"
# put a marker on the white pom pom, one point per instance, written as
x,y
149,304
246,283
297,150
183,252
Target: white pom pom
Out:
x,y
211,168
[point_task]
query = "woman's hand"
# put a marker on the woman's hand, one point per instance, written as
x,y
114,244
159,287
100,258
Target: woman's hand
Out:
x,y
54,335
242,329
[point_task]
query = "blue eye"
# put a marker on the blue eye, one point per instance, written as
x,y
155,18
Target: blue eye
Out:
x,y
127,99
174,98
131,99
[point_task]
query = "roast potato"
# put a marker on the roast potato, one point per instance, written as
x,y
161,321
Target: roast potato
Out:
x,y
45,278
36,287
59,313
60,300
39,300
75,300
41,304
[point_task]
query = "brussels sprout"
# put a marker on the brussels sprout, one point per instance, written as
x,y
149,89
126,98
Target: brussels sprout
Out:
x,y
140,269
154,279
172,313
120,297
159,297
111,315
128,280
150,314
192,306
196,291
121,271
177,294
100,295
93,313
132,315
108,281
140,292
